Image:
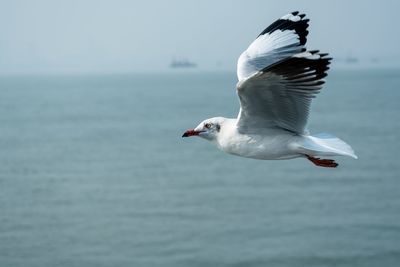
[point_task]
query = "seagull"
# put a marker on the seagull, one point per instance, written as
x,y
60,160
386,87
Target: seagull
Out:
x,y
278,78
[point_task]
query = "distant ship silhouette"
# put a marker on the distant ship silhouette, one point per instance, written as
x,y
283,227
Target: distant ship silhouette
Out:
x,y
184,63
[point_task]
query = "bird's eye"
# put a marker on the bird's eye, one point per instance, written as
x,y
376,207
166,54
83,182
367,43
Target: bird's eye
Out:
x,y
207,125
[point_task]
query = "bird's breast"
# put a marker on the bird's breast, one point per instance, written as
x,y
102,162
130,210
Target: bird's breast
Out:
x,y
271,146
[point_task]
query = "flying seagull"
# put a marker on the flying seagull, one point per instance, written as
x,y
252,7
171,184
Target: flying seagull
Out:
x,y
278,77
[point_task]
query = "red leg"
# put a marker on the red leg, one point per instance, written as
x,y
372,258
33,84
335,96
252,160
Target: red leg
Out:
x,y
328,163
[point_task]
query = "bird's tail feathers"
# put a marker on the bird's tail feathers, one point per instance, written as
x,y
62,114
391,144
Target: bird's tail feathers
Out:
x,y
325,144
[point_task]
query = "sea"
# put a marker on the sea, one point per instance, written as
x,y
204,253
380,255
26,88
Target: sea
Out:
x,y
94,172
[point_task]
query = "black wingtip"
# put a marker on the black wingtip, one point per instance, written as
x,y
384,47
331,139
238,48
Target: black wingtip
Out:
x,y
303,71
299,26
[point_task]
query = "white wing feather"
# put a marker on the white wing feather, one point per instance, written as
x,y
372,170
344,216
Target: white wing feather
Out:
x,y
281,94
282,39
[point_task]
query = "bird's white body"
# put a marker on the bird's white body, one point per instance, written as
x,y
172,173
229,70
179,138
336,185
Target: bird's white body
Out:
x,y
278,78
271,144
276,143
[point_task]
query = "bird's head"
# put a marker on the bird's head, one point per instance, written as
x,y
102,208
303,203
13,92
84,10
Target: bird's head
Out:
x,y
207,129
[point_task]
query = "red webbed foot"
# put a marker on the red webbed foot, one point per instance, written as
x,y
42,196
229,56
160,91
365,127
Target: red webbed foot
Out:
x,y
327,163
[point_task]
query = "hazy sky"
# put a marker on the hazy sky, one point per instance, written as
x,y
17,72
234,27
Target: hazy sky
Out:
x,y
66,36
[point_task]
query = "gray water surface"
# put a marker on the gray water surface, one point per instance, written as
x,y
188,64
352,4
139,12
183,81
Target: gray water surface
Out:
x,y
94,172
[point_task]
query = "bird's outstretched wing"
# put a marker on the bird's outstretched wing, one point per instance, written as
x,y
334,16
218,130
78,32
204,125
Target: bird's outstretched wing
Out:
x,y
279,78
280,95
283,38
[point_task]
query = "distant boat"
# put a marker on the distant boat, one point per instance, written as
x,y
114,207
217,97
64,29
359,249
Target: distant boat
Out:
x,y
184,64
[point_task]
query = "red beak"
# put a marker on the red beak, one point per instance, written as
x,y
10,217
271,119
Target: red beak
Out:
x,y
191,133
